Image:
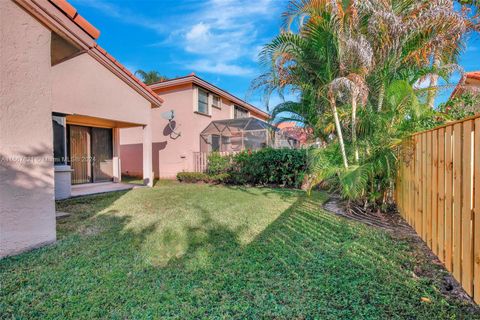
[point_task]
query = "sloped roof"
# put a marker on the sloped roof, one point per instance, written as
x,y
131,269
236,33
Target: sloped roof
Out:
x,y
464,82
80,21
293,130
473,75
193,78
80,31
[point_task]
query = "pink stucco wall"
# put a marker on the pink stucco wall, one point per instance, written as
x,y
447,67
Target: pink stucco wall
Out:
x,y
83,86
31,89
27,208
170,155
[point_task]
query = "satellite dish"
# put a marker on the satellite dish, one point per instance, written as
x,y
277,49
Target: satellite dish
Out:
x,y
169,115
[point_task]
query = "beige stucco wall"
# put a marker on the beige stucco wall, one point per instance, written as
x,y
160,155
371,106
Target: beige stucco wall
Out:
x,y
31,89
83,86
27,208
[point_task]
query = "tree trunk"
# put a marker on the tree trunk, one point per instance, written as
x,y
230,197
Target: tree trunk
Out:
x,y
381,96
354,128
432,92
339,130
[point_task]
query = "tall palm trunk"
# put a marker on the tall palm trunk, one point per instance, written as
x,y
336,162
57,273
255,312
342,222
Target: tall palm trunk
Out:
x,y
381,96
354,127
432,92
333,104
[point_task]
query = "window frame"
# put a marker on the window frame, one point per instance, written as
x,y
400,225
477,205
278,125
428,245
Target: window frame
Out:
x,y
62,121
216,96
201,90
237,107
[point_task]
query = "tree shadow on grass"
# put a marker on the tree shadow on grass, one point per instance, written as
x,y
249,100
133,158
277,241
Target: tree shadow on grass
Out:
x,y
305,264
284,193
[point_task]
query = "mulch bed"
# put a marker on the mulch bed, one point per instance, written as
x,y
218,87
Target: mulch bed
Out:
x,y
393,223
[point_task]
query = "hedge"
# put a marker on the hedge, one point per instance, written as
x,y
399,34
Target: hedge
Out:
x,y
283,167
195,177
280,167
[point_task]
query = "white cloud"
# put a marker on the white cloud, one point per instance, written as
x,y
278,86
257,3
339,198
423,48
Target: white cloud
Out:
x,y
199,32
120,13
471,49
224,34
221,36
219,68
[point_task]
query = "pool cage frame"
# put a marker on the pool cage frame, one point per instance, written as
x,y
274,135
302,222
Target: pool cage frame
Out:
x,y
235,135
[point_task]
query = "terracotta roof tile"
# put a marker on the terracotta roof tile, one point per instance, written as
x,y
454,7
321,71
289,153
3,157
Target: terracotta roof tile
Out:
x,y
473,75
66,7
103,51
128,73
460,88
71,12
80,21
190,78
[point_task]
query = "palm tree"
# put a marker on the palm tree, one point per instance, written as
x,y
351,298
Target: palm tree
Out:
x,y
306,61
357,63
150,77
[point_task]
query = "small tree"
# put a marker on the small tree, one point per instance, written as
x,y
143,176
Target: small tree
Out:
x,y
149,77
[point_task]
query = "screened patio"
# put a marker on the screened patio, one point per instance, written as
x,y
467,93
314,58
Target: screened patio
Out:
x,y
235,135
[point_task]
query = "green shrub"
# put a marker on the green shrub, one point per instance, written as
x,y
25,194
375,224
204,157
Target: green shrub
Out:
x,y
218,164
281,167
219,178
284,167
192,177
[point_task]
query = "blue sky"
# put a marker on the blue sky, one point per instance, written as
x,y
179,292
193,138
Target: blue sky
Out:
x,y
219,40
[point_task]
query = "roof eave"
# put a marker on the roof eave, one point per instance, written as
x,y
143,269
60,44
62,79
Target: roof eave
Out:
x,y
60,22
204,84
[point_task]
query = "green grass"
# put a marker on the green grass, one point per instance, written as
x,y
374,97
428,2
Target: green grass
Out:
x,y
199,251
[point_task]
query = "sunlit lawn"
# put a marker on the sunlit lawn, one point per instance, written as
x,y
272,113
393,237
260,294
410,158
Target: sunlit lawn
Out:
x,y
199,251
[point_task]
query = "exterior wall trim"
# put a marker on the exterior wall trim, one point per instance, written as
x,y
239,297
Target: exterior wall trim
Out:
x,y
210,87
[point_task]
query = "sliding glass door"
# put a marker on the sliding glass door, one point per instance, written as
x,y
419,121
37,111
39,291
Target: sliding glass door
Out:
x,y
91,154
102,154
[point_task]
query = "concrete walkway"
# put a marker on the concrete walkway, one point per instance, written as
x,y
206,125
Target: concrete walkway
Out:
x,y
102,187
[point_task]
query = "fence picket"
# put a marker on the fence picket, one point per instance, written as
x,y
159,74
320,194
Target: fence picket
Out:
x,y
448,199
429,182
457,200
476,222
466,215
441,194
434,234
418,184
438,194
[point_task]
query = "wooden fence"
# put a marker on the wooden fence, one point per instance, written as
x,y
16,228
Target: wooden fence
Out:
x,y
200,160
438,194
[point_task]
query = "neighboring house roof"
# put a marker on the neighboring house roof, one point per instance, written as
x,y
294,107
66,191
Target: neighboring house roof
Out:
x,y
61,17
469,82
194,79
293,130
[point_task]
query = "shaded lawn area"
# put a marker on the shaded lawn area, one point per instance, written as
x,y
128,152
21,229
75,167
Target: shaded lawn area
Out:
x,y
199,251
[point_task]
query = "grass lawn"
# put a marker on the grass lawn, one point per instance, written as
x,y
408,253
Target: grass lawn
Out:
x,y
199,251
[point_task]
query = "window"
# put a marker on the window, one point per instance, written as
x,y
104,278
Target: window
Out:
x,y
215,142
239,113
59,140
202,101
216,101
